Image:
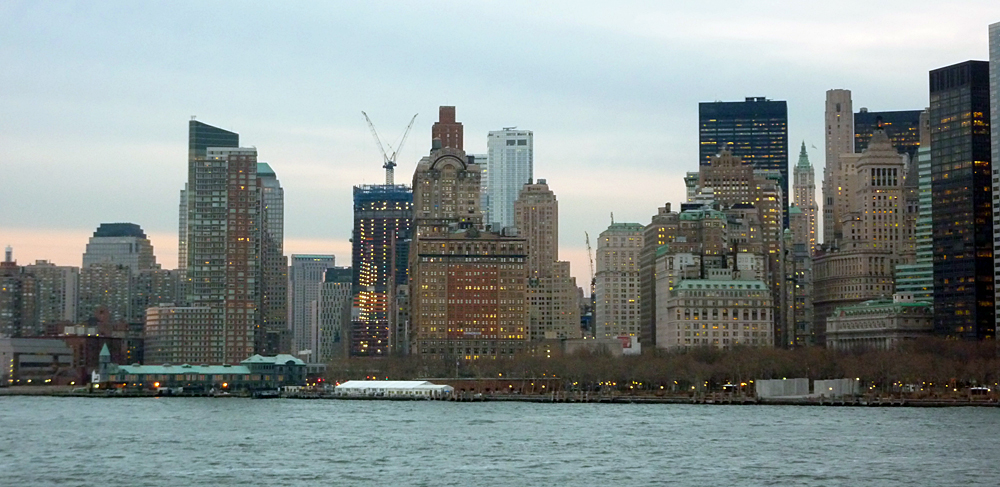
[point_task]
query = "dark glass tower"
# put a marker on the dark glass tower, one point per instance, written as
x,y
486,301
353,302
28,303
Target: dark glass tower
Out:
x,y
902,127
962,193
379,256
756,130
201,136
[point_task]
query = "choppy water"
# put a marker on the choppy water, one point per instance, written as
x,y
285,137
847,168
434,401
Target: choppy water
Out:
x,y
241,442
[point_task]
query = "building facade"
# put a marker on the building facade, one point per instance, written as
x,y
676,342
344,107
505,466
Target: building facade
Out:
x,y
272,336
902,127
879,324
718,313
961,188
804,189
332,316
379,258
122,244
56,290
617,274
840,137
995,152
510,161
304,278
553,302
755,130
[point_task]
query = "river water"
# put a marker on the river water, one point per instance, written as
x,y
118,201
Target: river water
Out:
x,y
242,442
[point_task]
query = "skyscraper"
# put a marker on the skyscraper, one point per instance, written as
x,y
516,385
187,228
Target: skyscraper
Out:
x,y
304,278
379,258
805,198
617,312
755,130
17,299
902,127
121,244
56,292
839,141
331,320
995,152
553,302
962,192
223,249
274,336
468,286
510,164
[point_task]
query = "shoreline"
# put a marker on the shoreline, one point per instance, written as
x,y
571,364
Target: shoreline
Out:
x,y
557,399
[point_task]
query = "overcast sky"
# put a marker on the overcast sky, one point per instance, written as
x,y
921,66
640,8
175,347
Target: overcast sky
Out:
x,y
95,97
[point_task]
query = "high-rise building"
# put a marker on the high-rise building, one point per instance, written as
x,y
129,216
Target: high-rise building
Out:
x,y
618,312
331,316
804,188
469,287
755,130
379,257
106,294
223,243
916,281
17,299
120,244
509,162
902,127
182,244
661,230
839,141
273,337
56,290
995,152
156,287
304,278
553,303
447,130
961,188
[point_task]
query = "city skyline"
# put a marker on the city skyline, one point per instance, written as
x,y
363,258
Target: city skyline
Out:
x,y
616,138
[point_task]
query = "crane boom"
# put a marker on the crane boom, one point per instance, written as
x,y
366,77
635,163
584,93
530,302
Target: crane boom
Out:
x,y
590,256
389,160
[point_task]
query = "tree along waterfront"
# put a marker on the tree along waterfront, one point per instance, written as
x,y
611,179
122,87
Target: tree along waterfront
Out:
x,y
927,367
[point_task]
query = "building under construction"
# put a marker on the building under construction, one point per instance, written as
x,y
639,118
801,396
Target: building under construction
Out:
x,y
380,252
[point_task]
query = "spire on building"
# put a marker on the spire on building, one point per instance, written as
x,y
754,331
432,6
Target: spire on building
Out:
x,y
803,157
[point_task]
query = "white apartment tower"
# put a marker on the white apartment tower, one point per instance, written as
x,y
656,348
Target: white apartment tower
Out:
x,y
509,166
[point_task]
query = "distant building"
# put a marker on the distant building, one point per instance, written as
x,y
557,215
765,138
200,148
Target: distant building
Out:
x,y
755,130
254,373
510,163
182,334
273,337
662,230
617,260
17,301
995,152
122,244
447,130
469,294
718,313
56,290
383,215
35,361
902,127
839,143
553,302
304,278
878,324
331,318
106,288
961,187
804,189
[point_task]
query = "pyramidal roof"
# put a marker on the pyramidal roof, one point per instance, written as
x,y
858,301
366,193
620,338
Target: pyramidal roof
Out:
x,y
105,351
803,157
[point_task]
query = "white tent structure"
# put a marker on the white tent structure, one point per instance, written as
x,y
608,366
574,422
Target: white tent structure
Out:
x,y
415,389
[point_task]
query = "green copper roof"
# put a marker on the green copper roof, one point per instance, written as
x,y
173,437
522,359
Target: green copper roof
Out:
x,y
279,359
183,369
104,351
794,209
804,157
263,169
720,284
702,214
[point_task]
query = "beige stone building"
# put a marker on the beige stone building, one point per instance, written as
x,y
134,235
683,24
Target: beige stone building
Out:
x,y
719,313
617,291
553,301
839,141
804,191
879,324
468,288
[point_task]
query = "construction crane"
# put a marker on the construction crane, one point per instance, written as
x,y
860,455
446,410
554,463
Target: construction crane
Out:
x,y
390,159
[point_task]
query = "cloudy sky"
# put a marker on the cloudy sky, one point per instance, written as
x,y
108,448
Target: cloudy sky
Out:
x,y
95,97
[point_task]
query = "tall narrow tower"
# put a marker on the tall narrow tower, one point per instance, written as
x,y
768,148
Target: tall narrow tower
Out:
x,y
839,140
510,162
804,190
